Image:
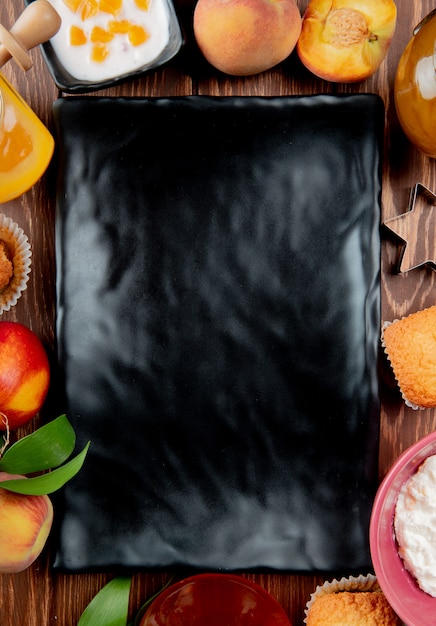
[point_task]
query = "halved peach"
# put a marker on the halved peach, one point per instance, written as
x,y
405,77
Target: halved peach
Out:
x,y
346,40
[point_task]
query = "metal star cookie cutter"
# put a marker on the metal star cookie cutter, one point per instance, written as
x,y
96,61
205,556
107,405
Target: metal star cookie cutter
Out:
x,y
417,229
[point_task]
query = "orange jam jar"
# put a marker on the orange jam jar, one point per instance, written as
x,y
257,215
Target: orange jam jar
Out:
x,y
26,146
415,87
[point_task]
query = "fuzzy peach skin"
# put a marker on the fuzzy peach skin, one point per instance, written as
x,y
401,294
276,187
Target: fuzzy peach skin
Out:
x,y
346,40
245,37
25,524
24,374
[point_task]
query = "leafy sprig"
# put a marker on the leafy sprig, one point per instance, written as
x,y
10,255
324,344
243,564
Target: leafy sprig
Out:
x,y
47,448
110,606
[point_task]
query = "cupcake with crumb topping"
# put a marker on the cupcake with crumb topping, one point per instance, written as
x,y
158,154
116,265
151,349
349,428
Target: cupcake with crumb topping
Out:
x,y
15,262
6,267
410,346
353,601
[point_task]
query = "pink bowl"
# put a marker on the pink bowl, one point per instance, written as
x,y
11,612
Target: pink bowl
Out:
x,y
412,605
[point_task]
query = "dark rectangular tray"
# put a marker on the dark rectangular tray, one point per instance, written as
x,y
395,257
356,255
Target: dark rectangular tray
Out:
x,y
218,330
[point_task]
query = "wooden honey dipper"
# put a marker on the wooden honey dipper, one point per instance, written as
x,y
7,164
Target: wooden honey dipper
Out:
x,y
38,22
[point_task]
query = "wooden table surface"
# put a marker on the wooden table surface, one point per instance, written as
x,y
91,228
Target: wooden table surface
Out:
x,y
39,597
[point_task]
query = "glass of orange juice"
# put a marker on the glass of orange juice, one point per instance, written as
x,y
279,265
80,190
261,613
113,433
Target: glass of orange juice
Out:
x,y
26,145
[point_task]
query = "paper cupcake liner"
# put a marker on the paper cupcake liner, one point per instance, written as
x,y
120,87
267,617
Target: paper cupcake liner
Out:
x,y
408,403
18,245
366,582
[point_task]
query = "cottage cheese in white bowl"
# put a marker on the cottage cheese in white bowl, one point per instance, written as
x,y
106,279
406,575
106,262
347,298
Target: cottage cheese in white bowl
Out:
x,y
103,42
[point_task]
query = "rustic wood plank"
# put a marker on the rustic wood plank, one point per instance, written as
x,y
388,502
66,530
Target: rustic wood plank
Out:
x,y
38,597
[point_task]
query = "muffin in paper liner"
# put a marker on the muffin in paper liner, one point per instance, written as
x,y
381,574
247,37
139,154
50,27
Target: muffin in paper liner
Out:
x,y
15,252
355,584
414,374
352,583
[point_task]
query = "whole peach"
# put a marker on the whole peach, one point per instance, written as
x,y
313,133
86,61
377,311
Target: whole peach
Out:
x,y
346,40
24,374
25,524
245,37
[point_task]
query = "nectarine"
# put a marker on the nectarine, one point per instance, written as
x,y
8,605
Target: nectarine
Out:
x,y
346,40
25,524
245,37
24,374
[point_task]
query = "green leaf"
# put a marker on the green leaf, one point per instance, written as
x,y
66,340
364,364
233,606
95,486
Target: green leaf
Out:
x,y
110,606
47,483
141,612
46,448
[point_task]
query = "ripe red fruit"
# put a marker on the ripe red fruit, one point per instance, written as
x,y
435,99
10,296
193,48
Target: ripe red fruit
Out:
x,y
24,374
25,524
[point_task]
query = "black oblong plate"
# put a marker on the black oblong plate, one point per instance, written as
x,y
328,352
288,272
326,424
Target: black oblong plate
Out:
x,y
218,330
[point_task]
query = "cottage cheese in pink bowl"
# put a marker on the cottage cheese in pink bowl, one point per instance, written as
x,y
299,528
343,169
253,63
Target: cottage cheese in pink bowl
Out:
x,y
412,605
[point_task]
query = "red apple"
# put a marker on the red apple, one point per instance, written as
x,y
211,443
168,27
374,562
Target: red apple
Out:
x,y
25,524
24,374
